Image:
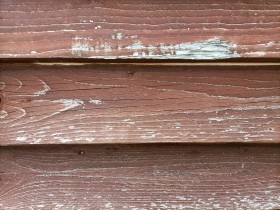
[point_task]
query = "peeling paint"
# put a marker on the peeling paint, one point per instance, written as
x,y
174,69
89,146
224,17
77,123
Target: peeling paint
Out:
x,y
118,36
258,53
21,138
216,119
215,48
80,45
209,49
95,101
67,140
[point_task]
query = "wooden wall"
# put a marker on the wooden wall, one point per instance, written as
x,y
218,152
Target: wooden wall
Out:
x,y
139,105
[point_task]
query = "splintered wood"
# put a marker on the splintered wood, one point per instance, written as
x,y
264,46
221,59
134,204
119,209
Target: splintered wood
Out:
x,y
139,104
159,29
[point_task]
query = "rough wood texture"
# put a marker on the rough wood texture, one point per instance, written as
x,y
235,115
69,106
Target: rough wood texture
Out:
x,y
140,177
134,104
194,29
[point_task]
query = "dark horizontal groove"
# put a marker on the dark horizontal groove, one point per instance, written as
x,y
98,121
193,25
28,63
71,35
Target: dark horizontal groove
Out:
x,y
142,145
248,61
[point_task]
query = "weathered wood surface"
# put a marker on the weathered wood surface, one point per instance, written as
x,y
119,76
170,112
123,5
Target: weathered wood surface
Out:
x,y
140,177
139,104
181,29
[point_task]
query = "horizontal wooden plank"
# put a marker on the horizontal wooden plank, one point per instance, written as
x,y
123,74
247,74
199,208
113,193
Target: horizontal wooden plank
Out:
x,y
158,29
139,104
140,177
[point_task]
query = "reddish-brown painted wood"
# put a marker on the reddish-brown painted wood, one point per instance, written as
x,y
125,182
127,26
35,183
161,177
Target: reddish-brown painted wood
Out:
x,y
181,29
140,177
139,104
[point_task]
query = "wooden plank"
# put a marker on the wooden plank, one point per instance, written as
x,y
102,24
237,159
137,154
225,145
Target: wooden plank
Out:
x,y
140,177
194,29
139,104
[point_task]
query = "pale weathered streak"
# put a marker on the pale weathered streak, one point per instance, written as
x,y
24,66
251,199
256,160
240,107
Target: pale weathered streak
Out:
x,y
138,104
140,29
148,177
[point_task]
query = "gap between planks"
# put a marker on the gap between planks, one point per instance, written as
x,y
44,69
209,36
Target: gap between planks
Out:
x,y
159,64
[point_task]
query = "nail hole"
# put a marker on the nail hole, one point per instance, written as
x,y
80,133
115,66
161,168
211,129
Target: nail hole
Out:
x,y
131,73
243,149
81,152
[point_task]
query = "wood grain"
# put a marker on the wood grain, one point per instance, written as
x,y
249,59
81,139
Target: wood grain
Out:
x,y
139,104
193,29
140,177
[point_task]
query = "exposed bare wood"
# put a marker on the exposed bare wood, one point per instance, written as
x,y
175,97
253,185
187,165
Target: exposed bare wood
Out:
x,y
156,29
138,104
140,177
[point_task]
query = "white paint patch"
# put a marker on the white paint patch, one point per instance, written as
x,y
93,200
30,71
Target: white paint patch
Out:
x,y
258,53
215,48
170,206
107,47
108,206
36,141
69,103
128,121
216,119
21,138
80,45
74,139
119,36
131,37
59,205
256,107
208,49
62,139
3,114
46,88
33,52
68,30
181,198
41,206
149,135
83,45
95,101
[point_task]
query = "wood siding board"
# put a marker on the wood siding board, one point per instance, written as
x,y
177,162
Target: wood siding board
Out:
x,y
153,176
139,29
96,104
